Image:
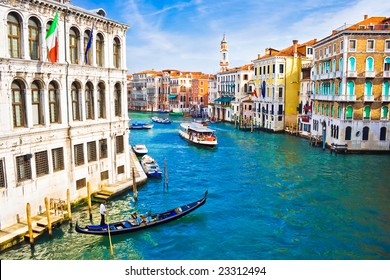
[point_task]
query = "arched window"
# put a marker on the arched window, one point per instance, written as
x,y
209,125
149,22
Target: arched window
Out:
x,y
384,112
37,104
101,101
348,133
351,88
99,49
74,45
117,53
14,36
33,39
332,87
332,111
349,112
341,65
76,110
334,65
366,131
117,100
386,66
368,88
338,112
351,64
89,110
385,89
340,88
369,64
54,103
382,136
18,104
366,112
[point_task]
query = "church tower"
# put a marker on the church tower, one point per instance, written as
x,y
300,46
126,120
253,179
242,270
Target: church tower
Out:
x,y
224,62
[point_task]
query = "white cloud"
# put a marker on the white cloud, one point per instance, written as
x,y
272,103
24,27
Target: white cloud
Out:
x,y
186,35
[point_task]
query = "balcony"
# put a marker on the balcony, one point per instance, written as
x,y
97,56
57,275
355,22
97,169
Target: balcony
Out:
x,y
339,74
370,74
386,74
351,74
324,97
369,97
385,98
345,97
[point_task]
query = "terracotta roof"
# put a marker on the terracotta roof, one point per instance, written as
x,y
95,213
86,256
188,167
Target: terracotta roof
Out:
x,y
368,21
289,51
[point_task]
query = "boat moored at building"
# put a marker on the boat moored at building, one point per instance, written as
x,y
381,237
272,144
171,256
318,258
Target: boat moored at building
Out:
x,y
198,134
150,166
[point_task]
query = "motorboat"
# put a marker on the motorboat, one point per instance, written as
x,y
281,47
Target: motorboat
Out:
x,y
140,149
150,166
161,120
138,125
198,134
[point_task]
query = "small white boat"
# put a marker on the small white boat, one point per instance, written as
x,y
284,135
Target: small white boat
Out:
x,y
161,120
137,125
150,166
140,149
198,134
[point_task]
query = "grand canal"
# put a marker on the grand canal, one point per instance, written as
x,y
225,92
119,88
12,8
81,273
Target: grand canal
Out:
x,y
271,196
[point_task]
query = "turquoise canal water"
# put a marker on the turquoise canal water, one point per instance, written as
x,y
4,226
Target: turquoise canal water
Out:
x,y
271,196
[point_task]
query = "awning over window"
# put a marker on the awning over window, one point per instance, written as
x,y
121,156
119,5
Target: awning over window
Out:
x,y
223,99
171,96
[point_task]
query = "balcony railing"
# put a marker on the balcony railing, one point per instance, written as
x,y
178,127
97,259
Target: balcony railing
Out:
x,y
329,97
386,98
386,74
368,97
370,74
351,74
339,74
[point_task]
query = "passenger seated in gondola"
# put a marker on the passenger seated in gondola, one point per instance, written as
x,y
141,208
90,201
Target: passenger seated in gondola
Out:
x,y
136,219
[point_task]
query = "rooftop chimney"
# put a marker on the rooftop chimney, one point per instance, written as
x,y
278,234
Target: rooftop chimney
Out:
x,y
258,56
295,42
365,16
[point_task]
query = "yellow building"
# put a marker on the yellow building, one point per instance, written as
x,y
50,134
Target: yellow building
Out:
x,y
277,77
351,76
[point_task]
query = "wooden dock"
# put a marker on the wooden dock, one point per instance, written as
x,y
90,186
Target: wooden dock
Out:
x,y
19,232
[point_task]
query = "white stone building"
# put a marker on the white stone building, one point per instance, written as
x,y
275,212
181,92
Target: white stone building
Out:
x,y
63,124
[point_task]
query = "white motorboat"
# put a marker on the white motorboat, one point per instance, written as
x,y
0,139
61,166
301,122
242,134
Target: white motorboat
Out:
x,y
140,149
198,134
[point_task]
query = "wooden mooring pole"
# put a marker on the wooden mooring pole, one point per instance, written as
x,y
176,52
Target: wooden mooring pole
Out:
x,y
165,175
29,224
68,205
89,201
135,192
49,228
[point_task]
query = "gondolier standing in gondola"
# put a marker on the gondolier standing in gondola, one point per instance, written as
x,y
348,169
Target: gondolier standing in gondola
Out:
x,y
103,212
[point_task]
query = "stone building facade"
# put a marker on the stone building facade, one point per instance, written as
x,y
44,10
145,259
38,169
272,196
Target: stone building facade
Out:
x,y
63,124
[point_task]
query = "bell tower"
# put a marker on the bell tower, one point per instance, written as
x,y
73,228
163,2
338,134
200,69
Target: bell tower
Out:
x,y
224,62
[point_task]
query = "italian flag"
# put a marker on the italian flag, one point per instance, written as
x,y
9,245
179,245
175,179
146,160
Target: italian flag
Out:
x,y
52,40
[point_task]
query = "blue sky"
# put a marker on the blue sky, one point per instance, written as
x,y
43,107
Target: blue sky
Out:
x,y
186,35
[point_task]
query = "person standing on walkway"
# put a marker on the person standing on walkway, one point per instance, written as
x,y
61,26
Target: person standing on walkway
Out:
x,y
103,212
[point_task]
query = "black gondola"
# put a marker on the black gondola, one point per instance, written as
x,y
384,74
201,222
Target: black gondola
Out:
x,y
128,226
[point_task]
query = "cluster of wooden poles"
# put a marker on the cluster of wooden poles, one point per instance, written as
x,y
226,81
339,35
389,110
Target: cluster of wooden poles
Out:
x,y
49,223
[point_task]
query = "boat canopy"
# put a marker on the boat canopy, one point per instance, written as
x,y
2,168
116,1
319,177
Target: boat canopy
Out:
x,y
196,127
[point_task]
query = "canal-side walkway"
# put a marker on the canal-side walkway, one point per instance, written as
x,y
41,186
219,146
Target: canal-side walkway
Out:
x,y
19,232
